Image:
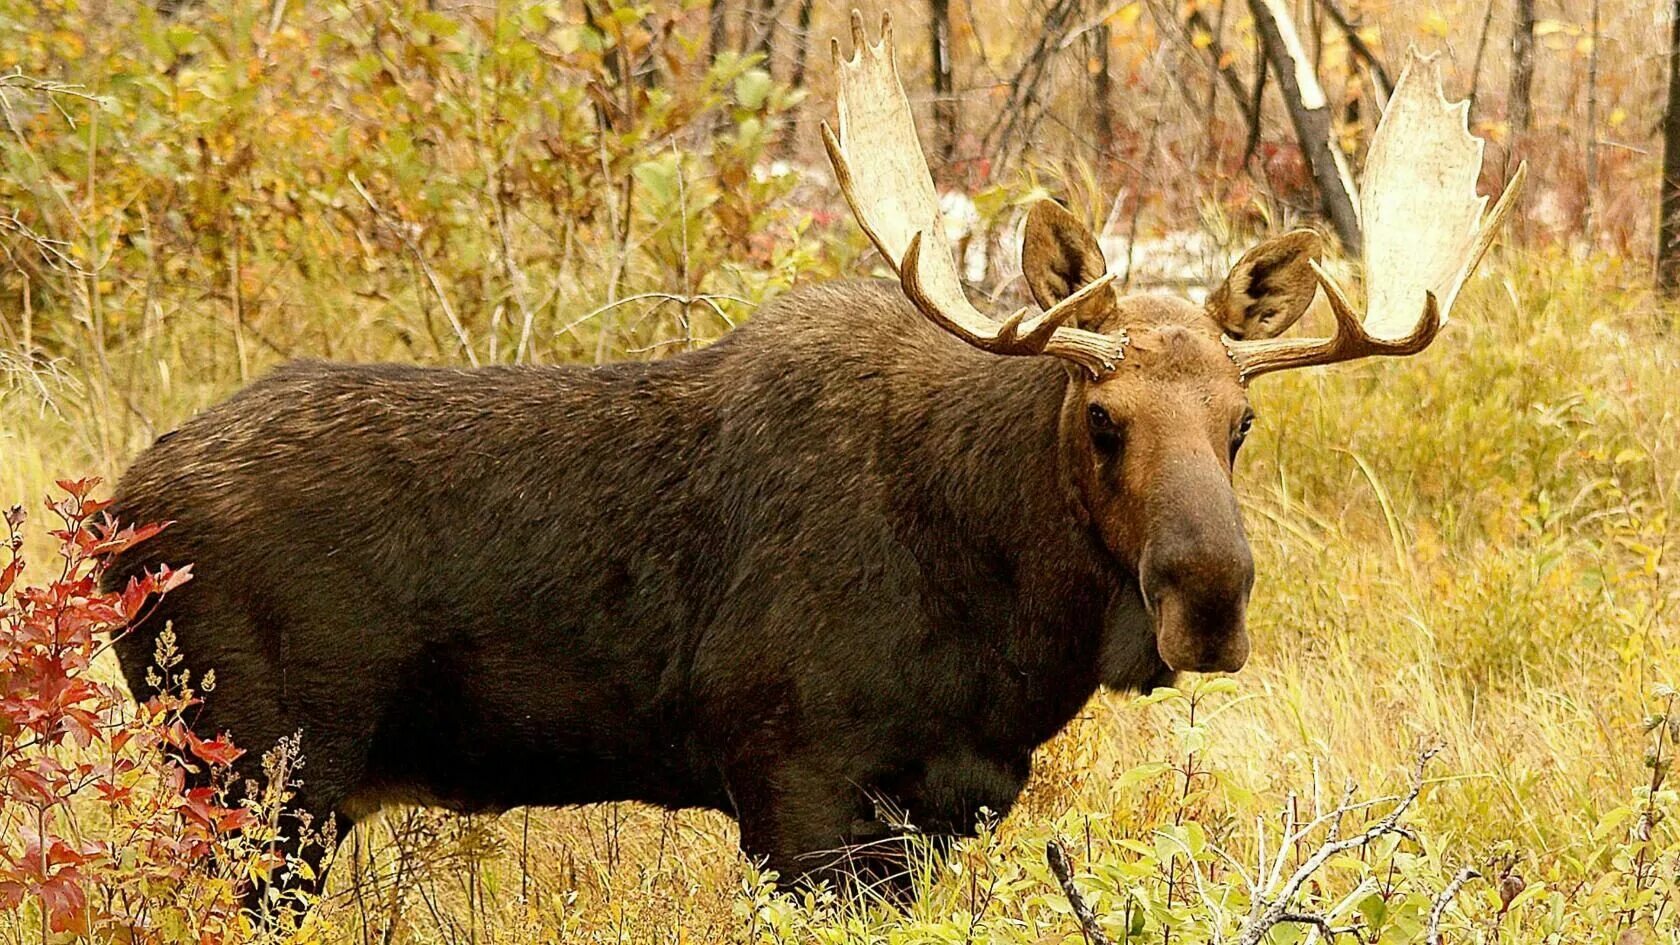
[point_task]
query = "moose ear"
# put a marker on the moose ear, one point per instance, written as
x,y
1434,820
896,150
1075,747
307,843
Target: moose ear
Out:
x,y
1269,288
1059,256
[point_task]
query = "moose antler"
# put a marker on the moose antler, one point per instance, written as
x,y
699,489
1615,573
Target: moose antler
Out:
x,y
899,211
1424,232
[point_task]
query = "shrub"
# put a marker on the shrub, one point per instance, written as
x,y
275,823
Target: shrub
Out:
x,y
116,821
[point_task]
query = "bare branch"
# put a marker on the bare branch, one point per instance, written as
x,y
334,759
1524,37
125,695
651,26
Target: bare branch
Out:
x,y
55,253
1277,905
404,233
1081,909
1439,909
1358,45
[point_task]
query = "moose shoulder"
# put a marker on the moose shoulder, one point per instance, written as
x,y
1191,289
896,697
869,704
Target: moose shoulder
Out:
x,y
845,568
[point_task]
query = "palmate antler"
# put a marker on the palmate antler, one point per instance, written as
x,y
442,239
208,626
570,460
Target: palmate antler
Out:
x,y
879,164
1424,232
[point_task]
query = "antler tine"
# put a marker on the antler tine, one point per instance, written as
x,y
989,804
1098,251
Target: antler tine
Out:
x,y
899,212
1425,230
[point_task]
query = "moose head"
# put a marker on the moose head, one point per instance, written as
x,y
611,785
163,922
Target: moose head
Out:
x,y
1156,405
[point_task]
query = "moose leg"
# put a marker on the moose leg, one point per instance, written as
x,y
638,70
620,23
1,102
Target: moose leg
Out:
x,y
810,824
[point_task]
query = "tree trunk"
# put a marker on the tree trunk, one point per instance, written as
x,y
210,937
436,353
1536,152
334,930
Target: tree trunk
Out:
x,y
1196,23
1668,231
763,26
802,52
1361,50
1309,112
717,27
1102,38
1522,68
944,88
1592,128
1476,69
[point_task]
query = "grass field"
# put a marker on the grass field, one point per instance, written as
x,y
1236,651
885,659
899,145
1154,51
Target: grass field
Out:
x,y
1467,550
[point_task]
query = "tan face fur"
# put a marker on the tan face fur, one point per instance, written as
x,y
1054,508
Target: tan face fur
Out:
x,y
1150,446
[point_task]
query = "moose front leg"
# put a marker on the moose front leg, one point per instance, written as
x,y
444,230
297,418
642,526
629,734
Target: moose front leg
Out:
x,y
949,794
809,823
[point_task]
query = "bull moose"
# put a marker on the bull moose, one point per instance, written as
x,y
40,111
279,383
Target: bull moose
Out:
x,y
870,549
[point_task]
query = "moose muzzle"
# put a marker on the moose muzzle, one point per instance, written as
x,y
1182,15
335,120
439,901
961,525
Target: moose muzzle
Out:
x,y
1196,572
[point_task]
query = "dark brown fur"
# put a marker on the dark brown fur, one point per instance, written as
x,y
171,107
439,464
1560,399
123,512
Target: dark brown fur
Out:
x,y
836,558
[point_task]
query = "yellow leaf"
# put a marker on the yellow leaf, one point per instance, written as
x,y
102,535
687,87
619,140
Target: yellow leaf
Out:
x,y
1617,116
1129,14
1434,24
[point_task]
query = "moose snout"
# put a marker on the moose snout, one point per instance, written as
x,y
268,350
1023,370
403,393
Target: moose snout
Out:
x,y
1198,592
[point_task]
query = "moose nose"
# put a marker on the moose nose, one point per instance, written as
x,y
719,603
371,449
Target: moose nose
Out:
x,y
1198,594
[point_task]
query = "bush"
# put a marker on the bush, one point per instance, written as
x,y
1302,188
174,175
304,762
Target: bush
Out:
x,y
116,820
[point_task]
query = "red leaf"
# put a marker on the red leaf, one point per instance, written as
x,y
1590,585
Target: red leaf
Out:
x,y
65,901
78,488
218,751
169,580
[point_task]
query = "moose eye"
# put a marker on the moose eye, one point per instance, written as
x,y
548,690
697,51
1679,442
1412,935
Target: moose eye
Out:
x,y
1241,434
1100,420
1105,433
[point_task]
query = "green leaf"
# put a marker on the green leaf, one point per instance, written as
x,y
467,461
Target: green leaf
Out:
x,y
1144,772
1160,694
752,88
1373,908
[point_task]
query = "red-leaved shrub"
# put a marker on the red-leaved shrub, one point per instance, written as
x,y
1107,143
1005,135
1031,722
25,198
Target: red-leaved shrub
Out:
x,y
116,821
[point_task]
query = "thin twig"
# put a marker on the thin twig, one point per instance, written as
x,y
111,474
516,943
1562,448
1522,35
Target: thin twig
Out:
x,y
1277,904
402,233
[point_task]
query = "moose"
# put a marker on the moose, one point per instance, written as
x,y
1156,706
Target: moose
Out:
x,y
839,572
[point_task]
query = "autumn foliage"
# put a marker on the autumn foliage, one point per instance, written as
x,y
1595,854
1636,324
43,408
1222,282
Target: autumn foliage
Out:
x,y
116,820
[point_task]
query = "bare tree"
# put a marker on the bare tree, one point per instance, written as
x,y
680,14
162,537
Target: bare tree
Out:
x,y
1522,68
944,87
1481,50
1309,112
758,28
1361,49
1189,32
1013,121
1668,231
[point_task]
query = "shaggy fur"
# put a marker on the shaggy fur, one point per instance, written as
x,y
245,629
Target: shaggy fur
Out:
x,y
833,560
